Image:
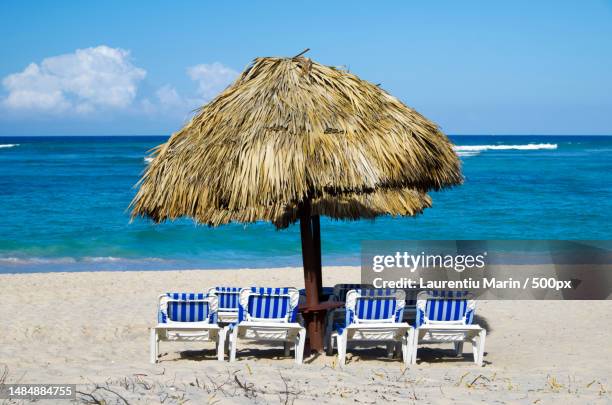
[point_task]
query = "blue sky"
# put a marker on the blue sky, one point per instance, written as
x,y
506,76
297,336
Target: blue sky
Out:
x,y
473,67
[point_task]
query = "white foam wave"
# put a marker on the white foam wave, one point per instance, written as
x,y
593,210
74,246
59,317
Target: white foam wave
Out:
x,y
36,260
470,153
8,145
113,259
480,148
71,260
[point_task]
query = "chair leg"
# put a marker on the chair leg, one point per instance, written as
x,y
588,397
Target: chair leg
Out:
x,y
405,355
398,349
341,341
390,349
329,350
458,348
296,346
233,343
415,345
407,342
299,346
329,321
157,340
481,345
154,345
287,348
221,344
227,339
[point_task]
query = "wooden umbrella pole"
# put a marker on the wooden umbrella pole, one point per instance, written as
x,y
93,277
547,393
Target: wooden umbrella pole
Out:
x,y
308,255
312,276
316,234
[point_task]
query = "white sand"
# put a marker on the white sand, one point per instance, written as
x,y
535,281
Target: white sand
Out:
x,y
91,329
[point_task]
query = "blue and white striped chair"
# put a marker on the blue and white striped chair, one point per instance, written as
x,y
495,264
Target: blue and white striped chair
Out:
x,y
269,314
228,299
338,315
446,317
374,316
190,317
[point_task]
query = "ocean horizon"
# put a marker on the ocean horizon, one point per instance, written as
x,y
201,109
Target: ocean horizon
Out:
x,y
65,206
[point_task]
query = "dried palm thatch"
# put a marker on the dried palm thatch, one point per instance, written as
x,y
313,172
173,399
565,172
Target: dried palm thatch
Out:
x,y
352,206
290,130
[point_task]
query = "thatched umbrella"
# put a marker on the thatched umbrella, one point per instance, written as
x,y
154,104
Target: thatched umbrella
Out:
x,y
291,140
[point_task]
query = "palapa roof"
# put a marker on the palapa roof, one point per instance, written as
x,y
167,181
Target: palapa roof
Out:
x,y
289,130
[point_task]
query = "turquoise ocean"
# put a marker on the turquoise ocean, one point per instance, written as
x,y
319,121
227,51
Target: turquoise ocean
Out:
x,y
64,201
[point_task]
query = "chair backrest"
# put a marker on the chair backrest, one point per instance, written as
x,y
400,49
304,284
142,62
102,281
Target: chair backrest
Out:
x,y
262,304
340,290
445,307
228,298
326,292
411,294
375,305
187,307
411,297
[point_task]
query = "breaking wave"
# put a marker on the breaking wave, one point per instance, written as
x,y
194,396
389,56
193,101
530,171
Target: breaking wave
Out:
x,y
472,150
17,261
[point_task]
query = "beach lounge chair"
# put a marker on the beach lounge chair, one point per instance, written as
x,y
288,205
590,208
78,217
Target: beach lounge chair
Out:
x,y
189,317
337,316
446,317
228,299
374,316
269,314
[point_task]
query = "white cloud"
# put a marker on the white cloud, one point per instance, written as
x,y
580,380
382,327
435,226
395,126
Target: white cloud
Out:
x,y
83,81
168,96
104,79
169,102
211,78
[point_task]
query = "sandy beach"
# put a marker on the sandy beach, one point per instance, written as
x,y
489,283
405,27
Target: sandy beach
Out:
x,y
90,329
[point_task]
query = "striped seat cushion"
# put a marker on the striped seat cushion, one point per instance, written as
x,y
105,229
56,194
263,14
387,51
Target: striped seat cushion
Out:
x,y
229,298
449,294
372,304
376,292
269,303
446,306
411,295
184,310
372,308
